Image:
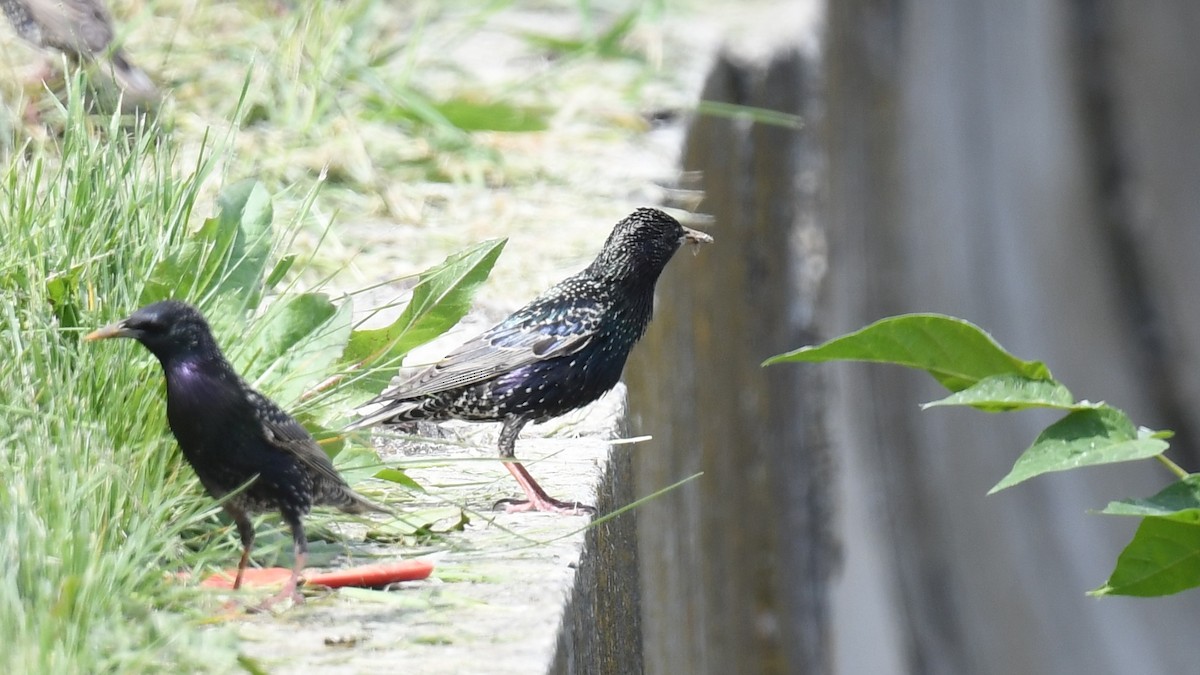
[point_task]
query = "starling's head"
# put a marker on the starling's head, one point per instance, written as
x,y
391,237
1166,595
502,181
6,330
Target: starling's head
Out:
x,y
169,329
641,245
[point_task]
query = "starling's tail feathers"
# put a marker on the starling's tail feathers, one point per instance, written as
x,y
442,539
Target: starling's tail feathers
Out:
x,y
350,501
389,412
133,80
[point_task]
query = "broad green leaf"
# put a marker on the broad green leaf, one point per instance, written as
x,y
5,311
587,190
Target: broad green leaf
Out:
x,y
357,463
1163,558
1004,393
207,256
178,275
1100,435
450,122
955,352
286,322
440,298
202,259
61,286
395,104
226,256
295,344
474,115
354,462
1179,501
399,477
245,217
251,665
62,290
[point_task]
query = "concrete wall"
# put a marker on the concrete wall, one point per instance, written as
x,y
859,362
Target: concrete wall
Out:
x,y
735,565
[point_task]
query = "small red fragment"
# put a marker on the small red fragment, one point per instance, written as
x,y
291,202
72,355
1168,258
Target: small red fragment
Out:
x,y
372,575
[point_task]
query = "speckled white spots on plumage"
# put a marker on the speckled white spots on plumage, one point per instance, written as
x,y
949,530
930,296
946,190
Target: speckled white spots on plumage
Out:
x,y
569,344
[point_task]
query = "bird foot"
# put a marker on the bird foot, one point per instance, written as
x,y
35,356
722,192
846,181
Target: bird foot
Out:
x,y
230,610
279,601
547,504
289,592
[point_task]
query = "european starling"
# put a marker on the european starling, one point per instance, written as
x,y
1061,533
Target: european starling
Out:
x,y
233,436
81,29
558,353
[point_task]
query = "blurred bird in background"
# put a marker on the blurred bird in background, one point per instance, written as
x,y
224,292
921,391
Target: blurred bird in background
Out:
x,y
83,30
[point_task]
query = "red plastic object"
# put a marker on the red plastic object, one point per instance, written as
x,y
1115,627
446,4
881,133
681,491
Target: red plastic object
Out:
x,y
367,575
269,576
373,575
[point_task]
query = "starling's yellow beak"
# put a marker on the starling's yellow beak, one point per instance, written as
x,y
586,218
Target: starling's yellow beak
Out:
x,y
113,330
695,238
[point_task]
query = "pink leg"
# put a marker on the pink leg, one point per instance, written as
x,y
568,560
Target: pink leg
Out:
x,y
289,590
536,498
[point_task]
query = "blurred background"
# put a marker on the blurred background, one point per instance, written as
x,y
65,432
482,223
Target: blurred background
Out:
x,y
1032,167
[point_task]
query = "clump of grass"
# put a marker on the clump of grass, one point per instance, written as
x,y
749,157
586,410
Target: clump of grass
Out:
x,y
95,496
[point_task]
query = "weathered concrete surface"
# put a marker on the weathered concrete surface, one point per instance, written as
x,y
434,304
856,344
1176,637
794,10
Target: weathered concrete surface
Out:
x,y
497,596
601,630
736,568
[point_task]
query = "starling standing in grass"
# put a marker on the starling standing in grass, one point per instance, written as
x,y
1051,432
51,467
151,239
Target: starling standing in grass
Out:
x,y
233,436
558,353
81,29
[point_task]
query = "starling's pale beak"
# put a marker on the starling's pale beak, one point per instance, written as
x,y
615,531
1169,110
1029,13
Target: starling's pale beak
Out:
x,y
695,238
113,330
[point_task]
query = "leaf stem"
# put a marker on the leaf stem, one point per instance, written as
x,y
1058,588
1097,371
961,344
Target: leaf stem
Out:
x,y
1172,466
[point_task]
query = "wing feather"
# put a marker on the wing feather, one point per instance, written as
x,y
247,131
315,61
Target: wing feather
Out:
x,y
528,336
283,432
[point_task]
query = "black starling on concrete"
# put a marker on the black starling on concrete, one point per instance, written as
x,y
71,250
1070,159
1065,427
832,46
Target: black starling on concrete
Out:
x,y
558,353
81,29
234,436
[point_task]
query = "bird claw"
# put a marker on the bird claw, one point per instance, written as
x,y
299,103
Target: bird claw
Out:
x,y
278,601
548,505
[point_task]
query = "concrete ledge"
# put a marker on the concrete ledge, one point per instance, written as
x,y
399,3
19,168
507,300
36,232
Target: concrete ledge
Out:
x,y
511,593
601,629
